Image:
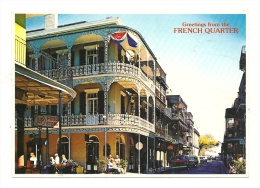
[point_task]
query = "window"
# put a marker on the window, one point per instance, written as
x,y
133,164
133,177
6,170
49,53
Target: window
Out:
x,y
92,57
92,149
93,106
64,146
62,57
93,103
120,148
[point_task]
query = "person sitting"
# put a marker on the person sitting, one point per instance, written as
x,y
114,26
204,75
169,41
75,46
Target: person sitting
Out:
x,y
33,160
51,166
111,167
52,161
109,158
63,160
117,161
115,166
150,171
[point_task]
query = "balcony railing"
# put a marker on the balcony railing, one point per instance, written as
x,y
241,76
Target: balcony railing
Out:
x,y
111,68
99,119
20,50
101,68
177,139
61,73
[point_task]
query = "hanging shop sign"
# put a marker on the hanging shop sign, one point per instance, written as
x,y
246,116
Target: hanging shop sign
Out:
x,y
45,120
170,147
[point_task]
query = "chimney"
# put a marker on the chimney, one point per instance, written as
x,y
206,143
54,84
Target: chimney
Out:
x,y
50,21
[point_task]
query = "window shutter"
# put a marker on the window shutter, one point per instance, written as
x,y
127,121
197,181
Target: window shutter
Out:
x,y
101,102
54,63
82,57
72,59
82,99
101,55
72,107
54,110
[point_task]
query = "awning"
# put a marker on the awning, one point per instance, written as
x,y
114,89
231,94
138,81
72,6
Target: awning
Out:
x,y
235,140
32,88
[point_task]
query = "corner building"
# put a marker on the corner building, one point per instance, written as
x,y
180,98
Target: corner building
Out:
x,y
121,94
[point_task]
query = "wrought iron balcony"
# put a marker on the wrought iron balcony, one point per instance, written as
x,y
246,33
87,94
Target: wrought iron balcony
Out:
x,y
100,119
111,68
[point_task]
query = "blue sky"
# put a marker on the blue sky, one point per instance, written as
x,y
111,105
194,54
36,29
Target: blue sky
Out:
x,y
202,68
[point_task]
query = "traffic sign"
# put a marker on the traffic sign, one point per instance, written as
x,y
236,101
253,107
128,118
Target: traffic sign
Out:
x,y
139,145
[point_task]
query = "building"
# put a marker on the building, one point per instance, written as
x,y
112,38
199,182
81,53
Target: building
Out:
x,y
121,103
185,135
32,90
235,135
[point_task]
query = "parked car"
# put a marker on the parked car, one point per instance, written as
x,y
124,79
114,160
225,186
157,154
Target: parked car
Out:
x,y
209,159
179,161
193,161
202,160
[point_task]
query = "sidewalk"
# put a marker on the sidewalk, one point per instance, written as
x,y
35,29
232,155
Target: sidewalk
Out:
x,y
224,168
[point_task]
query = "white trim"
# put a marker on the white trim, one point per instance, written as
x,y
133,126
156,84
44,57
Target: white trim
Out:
x,y
123,93
91,47
64,51
91,90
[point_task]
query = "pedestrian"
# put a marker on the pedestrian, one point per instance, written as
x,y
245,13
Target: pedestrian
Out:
x,y
232,169
229,160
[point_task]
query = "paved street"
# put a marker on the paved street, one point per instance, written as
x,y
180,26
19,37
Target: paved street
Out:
x,y
214,167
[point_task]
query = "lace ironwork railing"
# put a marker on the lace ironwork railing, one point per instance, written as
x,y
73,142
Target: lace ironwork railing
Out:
x,y
100,119
112,119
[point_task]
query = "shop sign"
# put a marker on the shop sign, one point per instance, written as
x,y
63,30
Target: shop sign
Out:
x,y
45,120
242,141
170,147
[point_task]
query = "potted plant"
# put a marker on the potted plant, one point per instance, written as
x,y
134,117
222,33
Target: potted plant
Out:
x,y
240,166
102,165
124,164
72,165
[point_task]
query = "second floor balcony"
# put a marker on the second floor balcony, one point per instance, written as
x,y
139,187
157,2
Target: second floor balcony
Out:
x,y
114,120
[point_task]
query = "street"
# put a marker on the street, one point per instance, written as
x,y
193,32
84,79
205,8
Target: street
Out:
x,y
214,167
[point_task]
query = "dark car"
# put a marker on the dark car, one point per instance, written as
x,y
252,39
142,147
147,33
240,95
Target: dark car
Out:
x,y
180,161
202,160
193,161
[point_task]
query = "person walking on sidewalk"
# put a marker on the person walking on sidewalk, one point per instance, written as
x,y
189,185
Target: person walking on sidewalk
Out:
x,y
229,160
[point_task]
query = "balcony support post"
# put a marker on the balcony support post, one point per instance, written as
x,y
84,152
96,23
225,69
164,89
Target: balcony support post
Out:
x,y
60,119
20,109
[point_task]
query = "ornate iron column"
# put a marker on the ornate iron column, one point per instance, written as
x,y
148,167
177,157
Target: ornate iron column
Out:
x,y
60,119
20,109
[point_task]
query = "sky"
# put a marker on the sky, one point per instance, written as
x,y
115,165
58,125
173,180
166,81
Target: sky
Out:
x,y
203,67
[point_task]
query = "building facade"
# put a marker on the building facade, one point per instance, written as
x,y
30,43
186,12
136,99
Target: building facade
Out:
x,y
31,87
120,107
235,135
